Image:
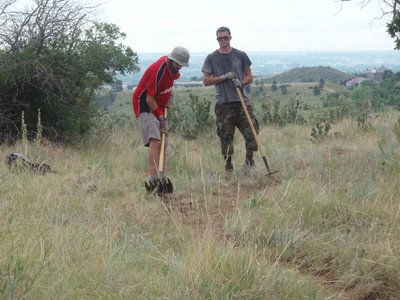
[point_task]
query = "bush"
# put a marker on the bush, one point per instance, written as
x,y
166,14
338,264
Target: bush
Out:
x,y
190,116
290,113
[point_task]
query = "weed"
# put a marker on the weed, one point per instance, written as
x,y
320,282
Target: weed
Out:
x,y
364,121
396,130
321,125
39,130
190,115
273,114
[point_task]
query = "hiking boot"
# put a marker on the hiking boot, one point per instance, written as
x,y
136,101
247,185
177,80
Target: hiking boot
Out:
x,y
228,164
229,167
248,166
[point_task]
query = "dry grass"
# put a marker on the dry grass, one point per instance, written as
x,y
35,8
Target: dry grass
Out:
x,y
325,227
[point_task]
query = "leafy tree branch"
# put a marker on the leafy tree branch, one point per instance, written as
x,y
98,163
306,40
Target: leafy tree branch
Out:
x,y
388,8
53,58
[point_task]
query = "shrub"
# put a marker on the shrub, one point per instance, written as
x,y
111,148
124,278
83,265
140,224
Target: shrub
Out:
x,y
321,122
396,130
290,113
190,115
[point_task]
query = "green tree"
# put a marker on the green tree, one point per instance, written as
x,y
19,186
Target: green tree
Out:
x,y
316,90
53,58
117,86
388,74
283,88
274,87
321,83
388,8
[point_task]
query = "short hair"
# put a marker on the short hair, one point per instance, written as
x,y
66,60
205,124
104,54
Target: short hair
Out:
x,y
223,28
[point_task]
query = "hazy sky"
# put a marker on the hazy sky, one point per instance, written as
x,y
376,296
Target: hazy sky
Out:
x,y
256,25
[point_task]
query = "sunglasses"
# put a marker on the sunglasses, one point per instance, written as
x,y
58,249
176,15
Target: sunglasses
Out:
x,y
178,65
224,38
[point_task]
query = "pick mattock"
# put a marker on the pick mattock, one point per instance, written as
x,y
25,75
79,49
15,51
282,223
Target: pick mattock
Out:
x,y
260,147
162,185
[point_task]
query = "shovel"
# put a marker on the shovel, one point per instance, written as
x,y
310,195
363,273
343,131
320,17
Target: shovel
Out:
x,y
162,185
260,147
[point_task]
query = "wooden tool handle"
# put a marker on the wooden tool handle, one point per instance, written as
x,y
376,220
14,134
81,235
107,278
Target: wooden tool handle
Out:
x,y
162,149
260,147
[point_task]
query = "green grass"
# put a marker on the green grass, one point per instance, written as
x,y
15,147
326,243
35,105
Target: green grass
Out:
x,y
123,102
325,227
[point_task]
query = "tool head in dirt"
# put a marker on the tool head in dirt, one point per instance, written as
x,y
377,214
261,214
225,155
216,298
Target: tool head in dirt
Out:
x,y
272,173
159,186
267,166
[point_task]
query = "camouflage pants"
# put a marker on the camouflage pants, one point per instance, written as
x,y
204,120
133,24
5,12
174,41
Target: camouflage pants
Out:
x,y
229,116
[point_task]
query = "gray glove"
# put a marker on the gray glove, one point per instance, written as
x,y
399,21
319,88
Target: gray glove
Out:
x,y
170,102
229,75
236,83
164,125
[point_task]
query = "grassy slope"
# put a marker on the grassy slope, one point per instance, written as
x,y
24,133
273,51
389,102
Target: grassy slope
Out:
x,y
325,227
123,102
293,79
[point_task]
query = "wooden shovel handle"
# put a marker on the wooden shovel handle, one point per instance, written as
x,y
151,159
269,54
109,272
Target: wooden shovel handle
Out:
x,y
162,149
260,147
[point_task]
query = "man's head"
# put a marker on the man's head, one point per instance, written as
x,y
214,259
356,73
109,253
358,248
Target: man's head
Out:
x,y
224,36
180,55
178,58
224,29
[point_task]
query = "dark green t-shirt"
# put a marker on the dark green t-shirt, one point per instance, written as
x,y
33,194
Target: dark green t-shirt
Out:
x,y
218,64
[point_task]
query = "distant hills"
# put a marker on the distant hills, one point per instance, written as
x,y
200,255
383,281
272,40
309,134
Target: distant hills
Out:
x,y
267,63
310,74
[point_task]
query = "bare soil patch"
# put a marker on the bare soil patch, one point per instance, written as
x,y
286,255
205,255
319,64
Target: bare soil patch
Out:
x,y
202,211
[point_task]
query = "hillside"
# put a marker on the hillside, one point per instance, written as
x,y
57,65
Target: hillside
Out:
x,y
325,227
121,102
310,74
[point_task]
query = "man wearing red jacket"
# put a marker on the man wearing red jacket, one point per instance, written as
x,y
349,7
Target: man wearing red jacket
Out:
x,y
152,95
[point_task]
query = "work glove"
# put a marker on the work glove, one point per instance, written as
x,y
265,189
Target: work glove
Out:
x,y
164,125
236,83
229,75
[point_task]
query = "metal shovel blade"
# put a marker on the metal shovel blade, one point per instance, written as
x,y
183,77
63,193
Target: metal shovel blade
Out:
x,y
166,186
150,186
162,185
267,166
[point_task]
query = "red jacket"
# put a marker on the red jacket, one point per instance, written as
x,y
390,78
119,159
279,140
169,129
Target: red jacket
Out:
x,y
157,81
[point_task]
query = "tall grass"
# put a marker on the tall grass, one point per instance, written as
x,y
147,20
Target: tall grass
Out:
x,y
325,227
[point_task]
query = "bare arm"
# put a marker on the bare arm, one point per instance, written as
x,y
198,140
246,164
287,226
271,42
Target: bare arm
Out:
x,y
151,101
248,77
208,79
157,110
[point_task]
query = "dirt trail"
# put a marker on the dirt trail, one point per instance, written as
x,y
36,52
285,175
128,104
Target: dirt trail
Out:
x,y
201,209
201,214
